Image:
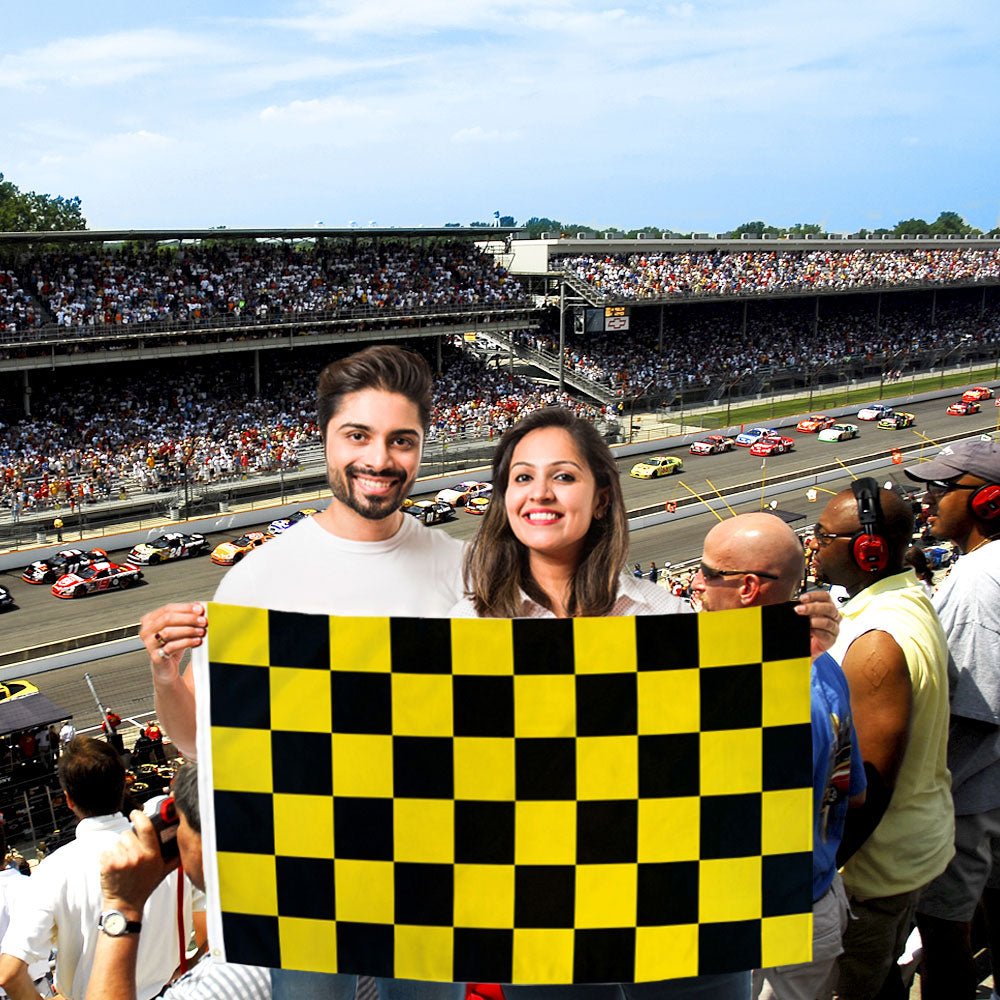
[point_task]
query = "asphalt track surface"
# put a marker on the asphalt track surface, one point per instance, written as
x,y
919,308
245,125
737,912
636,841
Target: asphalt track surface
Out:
x,y
123,681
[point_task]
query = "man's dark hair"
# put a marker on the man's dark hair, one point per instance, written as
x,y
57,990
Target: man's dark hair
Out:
x,y
93,776
185,792
383,367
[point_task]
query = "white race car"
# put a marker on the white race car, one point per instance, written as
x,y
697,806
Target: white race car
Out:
x,y
839,432
460,495
875,411
172,545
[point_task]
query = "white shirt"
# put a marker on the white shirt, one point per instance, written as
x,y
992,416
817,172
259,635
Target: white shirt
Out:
x,y
62,905
13,886
417,572
635,597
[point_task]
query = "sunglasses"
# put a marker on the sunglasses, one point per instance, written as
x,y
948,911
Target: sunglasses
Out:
x,y
938,487
711,573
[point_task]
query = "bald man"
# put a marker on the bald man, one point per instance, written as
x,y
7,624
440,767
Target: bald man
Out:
x,y
894,654
752,560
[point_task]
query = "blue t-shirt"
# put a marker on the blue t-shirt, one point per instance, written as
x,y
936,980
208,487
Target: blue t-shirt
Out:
x,y
838,771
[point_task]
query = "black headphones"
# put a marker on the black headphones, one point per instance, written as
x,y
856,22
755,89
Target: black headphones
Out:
x,y
985,502
869,549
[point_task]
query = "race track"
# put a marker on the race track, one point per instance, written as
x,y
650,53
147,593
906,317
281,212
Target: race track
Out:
x,y
123,680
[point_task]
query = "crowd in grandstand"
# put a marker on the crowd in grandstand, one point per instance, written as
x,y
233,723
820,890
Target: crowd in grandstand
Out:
x,y
246,281
701,347
719,272
90,440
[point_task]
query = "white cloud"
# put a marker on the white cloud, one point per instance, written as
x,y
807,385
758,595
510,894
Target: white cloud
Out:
x,y
319,111
103,60
477,134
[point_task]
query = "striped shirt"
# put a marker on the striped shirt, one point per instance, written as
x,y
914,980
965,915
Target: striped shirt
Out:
x,y
211,980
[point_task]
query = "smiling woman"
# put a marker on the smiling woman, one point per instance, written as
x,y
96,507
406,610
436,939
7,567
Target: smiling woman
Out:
x,y
556,534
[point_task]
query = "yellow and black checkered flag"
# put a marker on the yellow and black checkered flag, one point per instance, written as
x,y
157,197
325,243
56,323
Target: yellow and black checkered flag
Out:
x,y
534,801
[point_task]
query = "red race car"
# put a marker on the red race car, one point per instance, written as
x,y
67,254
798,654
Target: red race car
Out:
x,y
962,408
95,578
977,394
772,446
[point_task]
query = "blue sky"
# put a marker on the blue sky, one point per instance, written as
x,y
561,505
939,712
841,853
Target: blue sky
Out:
x,y
695,115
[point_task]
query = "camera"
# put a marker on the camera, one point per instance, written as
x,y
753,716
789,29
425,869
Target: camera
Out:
x,y
165,821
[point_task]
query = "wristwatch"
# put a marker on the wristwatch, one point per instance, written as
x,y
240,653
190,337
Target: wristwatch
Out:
x,y
114,923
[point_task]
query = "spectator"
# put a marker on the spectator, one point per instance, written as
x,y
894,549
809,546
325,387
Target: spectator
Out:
x,y
13,886
66,734
63,903
131,869
763,540
895,657
963,494
916,559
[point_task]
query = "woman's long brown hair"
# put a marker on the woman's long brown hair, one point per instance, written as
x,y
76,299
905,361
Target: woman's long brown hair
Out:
x,y
496,563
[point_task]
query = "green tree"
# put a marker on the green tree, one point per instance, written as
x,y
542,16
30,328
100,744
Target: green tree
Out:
x,y
801,229
911,227
952,224
27,211
536,226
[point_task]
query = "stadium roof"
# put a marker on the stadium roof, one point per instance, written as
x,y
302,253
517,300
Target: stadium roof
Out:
x,y
305,232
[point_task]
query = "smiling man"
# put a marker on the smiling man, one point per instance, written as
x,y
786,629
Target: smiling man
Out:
x,y
360,556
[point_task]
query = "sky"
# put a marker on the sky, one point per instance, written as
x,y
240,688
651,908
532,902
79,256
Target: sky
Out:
x,y
690,115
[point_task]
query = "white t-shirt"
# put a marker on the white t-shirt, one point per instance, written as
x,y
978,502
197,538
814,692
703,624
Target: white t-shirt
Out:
x,y
63,902
13,886
417,572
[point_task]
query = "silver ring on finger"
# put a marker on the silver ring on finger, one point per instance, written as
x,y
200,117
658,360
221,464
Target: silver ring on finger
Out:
x,y
163,653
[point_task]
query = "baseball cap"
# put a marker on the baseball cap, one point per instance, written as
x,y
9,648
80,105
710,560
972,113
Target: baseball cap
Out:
x,y
977,457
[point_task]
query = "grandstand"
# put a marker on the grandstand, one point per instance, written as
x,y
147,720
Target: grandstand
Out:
x,y
131,363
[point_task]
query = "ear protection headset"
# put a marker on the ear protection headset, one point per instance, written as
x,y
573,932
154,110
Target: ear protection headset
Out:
x,y
985,502
869,549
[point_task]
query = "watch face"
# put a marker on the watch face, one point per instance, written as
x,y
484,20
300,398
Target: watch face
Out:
x,y
113,923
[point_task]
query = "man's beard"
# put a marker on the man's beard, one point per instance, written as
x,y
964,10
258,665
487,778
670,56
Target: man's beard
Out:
x,y
372,508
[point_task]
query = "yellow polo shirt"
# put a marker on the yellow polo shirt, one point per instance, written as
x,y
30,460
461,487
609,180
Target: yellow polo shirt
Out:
x,y
915,840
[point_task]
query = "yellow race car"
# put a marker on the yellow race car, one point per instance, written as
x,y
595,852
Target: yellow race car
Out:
x,y
658,465
16,689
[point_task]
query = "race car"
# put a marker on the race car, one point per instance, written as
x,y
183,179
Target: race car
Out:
x,y
230,553
6,601
280,524
897,421
748,437
962,408
838,432
430,511
95,578
714,444
172,545
12,689
814,424
772,446
977,394
63,562
460,494
875,411
658,465
478,505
